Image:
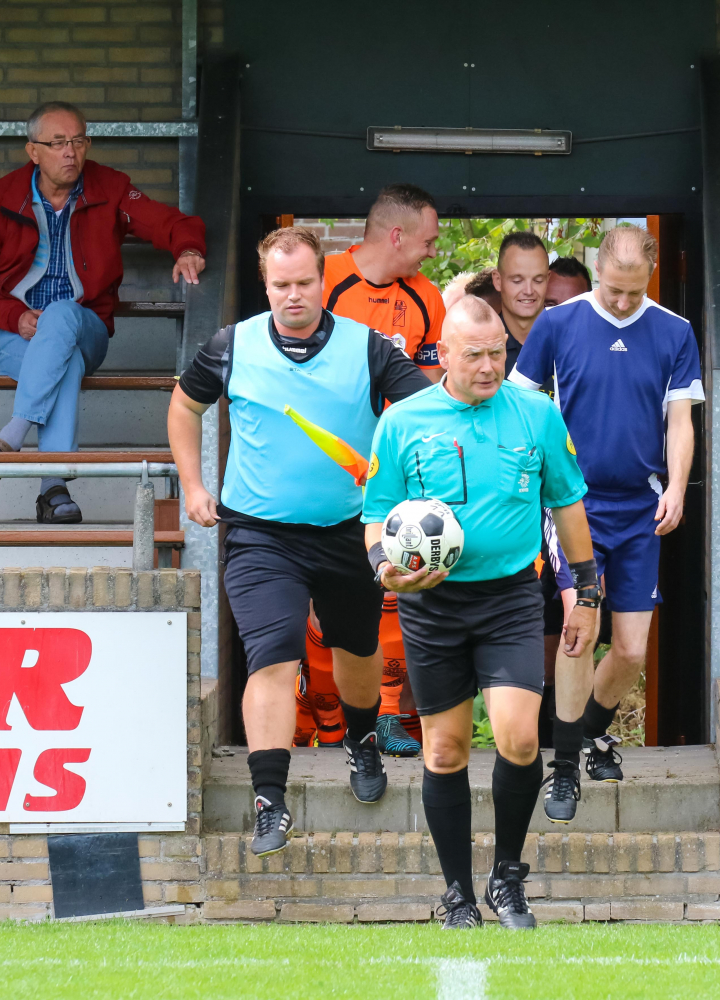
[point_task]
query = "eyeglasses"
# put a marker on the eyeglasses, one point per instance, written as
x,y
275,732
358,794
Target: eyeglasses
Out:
x,y
57,144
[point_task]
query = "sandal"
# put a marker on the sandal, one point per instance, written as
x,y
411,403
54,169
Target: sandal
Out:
x,y
46,512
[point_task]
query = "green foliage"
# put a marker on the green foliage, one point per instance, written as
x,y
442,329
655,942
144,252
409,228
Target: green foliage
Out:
x,y
482,737
473,244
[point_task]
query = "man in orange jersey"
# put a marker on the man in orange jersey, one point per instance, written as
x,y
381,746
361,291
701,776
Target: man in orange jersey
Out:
x,y
378,282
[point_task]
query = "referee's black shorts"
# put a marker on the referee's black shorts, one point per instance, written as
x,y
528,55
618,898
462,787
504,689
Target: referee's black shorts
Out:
x,y
463,636
272,573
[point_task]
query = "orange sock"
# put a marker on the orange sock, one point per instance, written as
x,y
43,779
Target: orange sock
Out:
x,y
305,726
394,670
412,726
322,692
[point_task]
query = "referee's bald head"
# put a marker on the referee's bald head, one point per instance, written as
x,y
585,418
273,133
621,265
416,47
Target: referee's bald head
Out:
x,y
470,311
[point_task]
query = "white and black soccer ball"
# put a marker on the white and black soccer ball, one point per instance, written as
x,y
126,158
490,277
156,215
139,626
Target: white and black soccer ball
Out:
x,y
422,532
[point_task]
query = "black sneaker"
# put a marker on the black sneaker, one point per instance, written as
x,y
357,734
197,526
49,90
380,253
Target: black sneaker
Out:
x,y
459,914
273,826
563,792
505,895
602,760
393,740
368,780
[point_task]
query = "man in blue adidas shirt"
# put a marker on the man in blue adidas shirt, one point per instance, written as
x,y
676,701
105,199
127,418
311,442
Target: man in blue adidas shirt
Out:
x,y
623,366
293,515
495,453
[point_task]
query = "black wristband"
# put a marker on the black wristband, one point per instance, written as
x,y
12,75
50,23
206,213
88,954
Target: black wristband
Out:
x,y
376,555
584,574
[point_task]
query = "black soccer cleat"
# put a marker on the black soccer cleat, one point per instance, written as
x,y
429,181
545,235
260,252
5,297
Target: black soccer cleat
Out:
x,y
273,826
563,792
393,740
459,914
368,780
602,760
505,895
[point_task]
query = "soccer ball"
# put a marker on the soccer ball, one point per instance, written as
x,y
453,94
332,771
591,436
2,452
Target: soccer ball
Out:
x,y
420,533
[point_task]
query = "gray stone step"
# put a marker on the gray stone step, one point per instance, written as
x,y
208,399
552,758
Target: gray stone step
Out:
x,y
666,789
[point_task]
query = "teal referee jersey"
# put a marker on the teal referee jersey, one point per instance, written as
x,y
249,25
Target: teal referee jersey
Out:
x,y
495,464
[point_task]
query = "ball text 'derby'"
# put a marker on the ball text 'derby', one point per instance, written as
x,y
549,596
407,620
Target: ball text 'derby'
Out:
x,y
422,532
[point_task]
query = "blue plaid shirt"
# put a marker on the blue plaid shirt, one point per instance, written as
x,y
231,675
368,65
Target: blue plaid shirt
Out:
x,y
55,283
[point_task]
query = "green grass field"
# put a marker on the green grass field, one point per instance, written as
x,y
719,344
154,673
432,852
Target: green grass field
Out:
x,y
130,961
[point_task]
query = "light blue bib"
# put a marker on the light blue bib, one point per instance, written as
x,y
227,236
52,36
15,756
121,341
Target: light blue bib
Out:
x,y
274,471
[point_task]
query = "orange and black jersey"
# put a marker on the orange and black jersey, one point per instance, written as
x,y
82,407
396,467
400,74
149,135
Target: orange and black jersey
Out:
x,y
409,311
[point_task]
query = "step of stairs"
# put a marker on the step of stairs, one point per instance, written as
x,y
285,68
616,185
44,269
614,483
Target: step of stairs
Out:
x,y
666,789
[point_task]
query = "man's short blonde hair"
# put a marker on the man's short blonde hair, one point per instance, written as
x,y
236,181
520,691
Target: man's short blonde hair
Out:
x,y
627,246
287,240
455,289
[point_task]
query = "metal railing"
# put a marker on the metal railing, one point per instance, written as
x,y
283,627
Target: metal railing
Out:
x,y
144,509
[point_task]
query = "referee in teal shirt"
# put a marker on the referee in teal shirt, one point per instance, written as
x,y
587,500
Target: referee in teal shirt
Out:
x,y
496,454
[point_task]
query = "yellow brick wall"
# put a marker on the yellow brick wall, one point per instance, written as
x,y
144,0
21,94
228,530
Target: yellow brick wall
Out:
x,y
118,61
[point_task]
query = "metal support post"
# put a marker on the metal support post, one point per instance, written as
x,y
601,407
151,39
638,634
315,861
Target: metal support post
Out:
x,y
202,546
144,524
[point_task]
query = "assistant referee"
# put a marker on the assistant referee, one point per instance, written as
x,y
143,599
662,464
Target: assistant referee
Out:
x,y
496,454
293,515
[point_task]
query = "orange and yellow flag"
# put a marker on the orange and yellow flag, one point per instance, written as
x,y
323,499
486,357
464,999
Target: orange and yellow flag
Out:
x,y
333,446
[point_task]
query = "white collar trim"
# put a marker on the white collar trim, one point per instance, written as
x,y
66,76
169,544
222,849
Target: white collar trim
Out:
x,y
621,324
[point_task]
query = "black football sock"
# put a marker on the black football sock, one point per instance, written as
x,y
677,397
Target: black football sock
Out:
x,y
597,719
447,804
547,714
515,790
269,772
567,740
360,721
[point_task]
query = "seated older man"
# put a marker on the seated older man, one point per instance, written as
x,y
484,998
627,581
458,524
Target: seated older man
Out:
x,y
62,221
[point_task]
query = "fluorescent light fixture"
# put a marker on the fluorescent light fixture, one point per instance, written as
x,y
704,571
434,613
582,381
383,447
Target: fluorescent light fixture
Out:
x,y
469,140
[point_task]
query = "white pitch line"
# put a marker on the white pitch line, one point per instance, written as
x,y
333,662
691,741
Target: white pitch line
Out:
x,y
461,979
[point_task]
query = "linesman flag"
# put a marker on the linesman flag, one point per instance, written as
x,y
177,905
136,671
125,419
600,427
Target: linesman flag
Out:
x,y
333,446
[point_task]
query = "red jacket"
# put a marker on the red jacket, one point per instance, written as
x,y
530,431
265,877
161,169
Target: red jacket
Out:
x,y
109,208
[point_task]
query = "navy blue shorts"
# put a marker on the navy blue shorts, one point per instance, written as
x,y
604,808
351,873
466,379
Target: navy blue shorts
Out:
x,y
627,550
271,576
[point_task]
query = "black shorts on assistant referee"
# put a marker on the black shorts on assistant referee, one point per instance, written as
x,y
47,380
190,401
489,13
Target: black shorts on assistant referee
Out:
x,y
292,513
495,455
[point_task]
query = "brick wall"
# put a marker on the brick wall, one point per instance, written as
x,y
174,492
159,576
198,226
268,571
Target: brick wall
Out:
x,y
339,235
337,876
117,61
152,164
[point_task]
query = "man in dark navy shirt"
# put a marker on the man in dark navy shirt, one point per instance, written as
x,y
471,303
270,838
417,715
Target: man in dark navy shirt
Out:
x,y
623,365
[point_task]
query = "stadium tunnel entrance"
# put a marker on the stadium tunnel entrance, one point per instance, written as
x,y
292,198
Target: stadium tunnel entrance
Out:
x,y
670,705
644,145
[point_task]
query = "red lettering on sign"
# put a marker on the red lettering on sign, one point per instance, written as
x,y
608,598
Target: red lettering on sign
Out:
x,y
9,760
50,771
62,655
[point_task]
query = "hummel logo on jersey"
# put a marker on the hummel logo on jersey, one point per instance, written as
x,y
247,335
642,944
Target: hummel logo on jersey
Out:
x,y
618,346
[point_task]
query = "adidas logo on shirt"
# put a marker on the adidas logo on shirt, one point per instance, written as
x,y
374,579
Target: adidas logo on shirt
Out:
x,y
618,346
